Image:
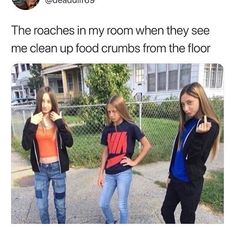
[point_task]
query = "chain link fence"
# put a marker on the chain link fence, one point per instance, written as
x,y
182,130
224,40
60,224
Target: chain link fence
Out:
x,y
158,121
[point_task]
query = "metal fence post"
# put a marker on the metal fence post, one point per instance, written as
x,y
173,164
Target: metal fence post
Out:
x,y
140,115
24,116
140,119
12,127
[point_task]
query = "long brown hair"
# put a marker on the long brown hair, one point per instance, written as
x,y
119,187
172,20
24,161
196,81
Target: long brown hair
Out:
x,y
53,99
119,103
51,94
197,91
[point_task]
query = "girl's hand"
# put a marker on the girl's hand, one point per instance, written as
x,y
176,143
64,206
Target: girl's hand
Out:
x,y
168,181
37,118
54,116
127,162
100,181
204,127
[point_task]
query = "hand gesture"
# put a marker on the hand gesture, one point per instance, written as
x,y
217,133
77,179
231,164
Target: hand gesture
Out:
x,y
37,118
127,162
54,116
204,127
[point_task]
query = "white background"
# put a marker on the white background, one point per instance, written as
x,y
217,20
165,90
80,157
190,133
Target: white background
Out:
x,y
217,15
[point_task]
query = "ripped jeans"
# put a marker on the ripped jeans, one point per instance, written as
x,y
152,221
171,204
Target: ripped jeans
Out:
x,y
50,172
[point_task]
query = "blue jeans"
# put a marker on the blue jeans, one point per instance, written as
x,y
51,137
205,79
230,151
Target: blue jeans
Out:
x,y
122,182
42,181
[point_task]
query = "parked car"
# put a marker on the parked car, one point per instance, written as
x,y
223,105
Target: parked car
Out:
x,y
23,101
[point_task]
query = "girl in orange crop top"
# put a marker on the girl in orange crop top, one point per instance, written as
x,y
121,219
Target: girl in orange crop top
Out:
x,y
47,136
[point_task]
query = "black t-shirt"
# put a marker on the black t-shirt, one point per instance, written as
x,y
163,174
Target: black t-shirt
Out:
x,y
120,142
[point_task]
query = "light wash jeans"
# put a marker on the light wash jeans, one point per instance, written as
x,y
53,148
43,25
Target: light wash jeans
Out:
x,y
50,172
122,182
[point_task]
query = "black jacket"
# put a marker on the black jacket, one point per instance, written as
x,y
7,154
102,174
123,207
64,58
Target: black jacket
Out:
x,y
64,139
196,150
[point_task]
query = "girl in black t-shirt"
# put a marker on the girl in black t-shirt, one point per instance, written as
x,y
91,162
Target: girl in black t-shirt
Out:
x,y
118,139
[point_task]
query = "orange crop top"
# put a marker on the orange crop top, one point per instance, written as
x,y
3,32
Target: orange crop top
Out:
x,y
47,143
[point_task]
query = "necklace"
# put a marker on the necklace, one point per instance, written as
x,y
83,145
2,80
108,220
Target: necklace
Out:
x,y
45,124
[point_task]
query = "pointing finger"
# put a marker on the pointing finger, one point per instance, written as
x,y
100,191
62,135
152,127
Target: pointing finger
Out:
x,y
205,119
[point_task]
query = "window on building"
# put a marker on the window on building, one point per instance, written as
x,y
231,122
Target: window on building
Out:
x,y
52,84
151,68
151,78
172,80
56,84
185,74
22,67
139,73
219,81
207,75
213,75
79,81
161,67
31,90
70,81
28,66
172,77
13,77
161,77
60,86
161,81
151,82
17,70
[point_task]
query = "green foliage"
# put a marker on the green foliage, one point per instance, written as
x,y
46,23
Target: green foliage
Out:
x,y
106,80
213,191
218,106
17,147
36,81
91,117
169,110
77,101
161,134
149,109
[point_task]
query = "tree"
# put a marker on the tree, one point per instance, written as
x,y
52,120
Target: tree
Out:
x,y
36,81
106,80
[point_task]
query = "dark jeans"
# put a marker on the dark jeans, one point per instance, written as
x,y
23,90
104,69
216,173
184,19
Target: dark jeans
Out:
x,y
187,194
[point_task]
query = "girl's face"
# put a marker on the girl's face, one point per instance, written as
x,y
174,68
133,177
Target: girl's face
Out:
x,y
114,115
46,103
190,105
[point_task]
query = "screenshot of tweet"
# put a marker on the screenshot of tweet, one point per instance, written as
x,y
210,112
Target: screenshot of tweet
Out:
x,y
116,112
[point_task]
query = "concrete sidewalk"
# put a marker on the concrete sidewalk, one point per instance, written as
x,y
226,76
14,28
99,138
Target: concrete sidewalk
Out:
x,y
145,197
